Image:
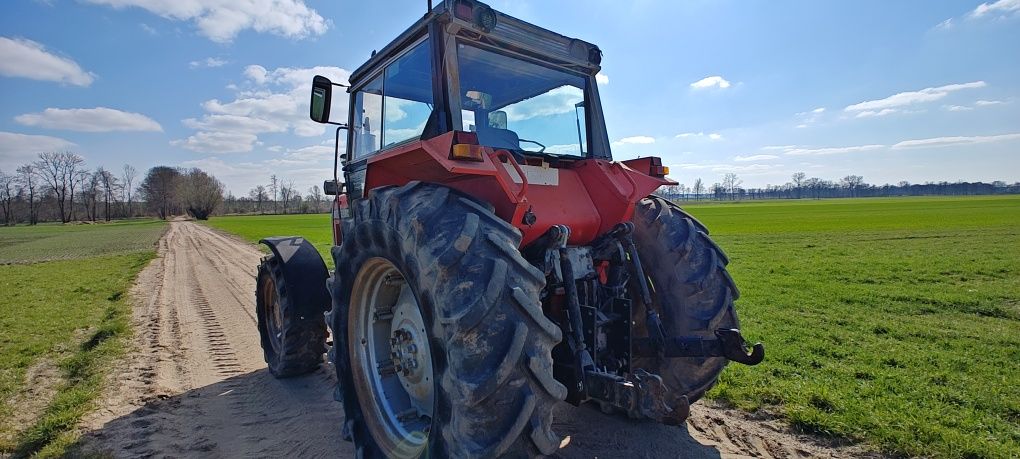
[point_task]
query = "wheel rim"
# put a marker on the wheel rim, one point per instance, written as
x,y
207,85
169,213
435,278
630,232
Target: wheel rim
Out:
x,y
274,316
391,359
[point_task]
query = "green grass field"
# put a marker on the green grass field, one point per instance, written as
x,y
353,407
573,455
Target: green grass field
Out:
x,y
70,314
894,322
316,228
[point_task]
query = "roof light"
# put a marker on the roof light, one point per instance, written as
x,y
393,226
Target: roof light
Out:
x,y
480,14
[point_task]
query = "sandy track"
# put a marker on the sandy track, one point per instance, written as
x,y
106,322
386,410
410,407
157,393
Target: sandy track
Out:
x,y
196,383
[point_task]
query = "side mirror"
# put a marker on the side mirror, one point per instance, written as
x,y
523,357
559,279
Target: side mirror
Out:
x,y
322,93
497,119
329,188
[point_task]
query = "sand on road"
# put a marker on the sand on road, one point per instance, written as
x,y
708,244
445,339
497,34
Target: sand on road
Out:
x,y
196,383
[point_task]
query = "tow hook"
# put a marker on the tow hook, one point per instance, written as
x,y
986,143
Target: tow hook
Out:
x,y
734,348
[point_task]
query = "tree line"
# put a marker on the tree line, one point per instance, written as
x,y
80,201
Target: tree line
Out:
x,y
277,197
60,187
801,186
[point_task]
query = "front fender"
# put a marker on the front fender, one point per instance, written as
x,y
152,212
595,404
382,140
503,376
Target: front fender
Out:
x,y
304,273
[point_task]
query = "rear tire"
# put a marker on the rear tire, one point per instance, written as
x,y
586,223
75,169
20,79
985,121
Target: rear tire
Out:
x,y
692,291
293,336
489,342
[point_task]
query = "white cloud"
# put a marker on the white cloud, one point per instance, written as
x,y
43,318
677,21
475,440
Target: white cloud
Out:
x,y
601,78
560,100
638,139
688,135
904,99
749,169
148,29
778,147
755,158
218,141
830,150
210,62
957,108
945,25
222,20
985,103
954,141
99,119
1003,7
270,101
710,82
24,58
17,149
877,113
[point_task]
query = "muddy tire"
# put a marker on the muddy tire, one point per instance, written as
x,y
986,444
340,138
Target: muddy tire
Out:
x,y
691,290
293,336
489,342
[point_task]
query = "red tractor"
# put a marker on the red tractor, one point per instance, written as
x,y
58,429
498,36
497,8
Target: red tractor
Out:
x,y
491,258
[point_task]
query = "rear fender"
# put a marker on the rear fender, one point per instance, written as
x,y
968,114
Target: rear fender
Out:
x,y
304,273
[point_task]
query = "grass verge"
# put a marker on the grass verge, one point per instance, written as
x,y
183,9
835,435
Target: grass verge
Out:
x,y
74,314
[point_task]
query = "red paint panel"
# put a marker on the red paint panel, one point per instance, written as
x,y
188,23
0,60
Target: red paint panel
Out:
x,y
591,196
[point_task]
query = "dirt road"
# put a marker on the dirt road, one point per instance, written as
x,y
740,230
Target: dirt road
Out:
x,y
196,384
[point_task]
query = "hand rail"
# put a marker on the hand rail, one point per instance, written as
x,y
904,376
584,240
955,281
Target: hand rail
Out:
x,y
517,167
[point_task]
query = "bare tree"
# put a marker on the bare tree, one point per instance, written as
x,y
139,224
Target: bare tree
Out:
x,y
730,183
88,192
200,193
286,191
109,188
7,183
315,195
699,187
258,195
127,178
59,171
274,187
798,182
29,182
159,189
851,182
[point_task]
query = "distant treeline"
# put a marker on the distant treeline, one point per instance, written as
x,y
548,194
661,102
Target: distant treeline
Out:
x,y
60,187
852,186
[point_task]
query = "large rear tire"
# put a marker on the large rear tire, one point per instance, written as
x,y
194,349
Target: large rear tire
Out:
x,y
692,291
488,343
293,335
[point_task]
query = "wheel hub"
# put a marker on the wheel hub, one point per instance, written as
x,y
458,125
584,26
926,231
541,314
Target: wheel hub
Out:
x,y
409,352
392,362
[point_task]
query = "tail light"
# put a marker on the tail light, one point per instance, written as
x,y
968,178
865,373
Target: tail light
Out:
x,y
465,147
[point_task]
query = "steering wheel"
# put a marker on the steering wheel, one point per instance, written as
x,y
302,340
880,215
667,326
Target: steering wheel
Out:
x,y
534,142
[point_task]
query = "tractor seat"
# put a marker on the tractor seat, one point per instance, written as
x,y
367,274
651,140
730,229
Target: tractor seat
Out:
x,y
501,138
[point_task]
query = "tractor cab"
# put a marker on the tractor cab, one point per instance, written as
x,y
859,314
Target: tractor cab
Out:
x,y
495,107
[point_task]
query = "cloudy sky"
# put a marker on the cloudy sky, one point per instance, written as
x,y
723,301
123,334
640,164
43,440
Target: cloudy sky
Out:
x,y
906,90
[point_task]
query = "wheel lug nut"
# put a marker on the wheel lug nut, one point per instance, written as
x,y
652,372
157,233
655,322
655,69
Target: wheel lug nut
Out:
x,y
412,349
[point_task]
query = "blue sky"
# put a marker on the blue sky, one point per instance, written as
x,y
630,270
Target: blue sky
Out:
x,y
907,90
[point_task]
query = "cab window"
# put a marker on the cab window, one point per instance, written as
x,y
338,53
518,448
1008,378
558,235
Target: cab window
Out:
x,y
394,107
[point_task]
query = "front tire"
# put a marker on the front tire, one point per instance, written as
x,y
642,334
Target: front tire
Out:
x,y
489,344
293,337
